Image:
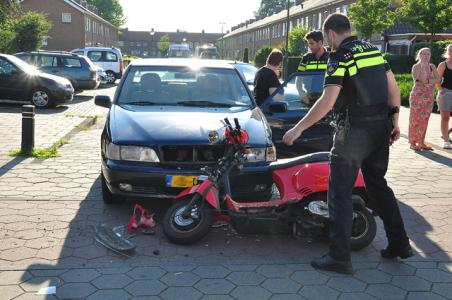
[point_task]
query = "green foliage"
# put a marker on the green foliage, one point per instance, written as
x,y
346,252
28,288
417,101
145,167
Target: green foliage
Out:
x,y
6,39
297,43
164,44
8,9
437,50
30,30
41,153
429,16
405,83
245,55
371,16
269,7
261,56
400,63
110,10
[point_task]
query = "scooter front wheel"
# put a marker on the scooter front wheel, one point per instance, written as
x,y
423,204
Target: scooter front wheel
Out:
x,y
364,228
190,228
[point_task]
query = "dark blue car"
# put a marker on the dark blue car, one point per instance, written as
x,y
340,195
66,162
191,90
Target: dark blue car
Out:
x,y
299,92
165,125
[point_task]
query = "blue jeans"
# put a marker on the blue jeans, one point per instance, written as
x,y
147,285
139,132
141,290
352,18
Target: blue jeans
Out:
x,y
365,146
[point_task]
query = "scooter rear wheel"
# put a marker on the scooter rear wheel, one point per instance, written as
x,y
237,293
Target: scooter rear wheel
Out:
x,y
364,228
180,230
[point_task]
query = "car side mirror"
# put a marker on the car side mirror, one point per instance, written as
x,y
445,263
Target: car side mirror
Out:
x,y
103,101
277,107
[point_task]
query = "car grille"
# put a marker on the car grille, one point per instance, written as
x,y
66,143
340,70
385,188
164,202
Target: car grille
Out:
x,y
191,154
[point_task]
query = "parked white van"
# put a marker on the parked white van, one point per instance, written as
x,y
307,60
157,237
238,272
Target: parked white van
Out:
x,y
109,59
179,51
207,52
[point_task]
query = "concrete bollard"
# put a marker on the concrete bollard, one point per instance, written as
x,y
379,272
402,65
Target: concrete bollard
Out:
x,y
28,128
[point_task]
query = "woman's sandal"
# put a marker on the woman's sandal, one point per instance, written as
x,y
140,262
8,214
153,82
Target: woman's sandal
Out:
x,y
416,147
426,147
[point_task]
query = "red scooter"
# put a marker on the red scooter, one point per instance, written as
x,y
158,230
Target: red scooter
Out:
x,y
300,201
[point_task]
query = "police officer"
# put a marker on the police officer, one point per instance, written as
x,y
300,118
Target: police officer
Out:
x,y
318,57
361,89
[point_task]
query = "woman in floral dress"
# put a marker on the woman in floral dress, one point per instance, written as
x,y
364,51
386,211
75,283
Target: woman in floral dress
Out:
x,y
421,99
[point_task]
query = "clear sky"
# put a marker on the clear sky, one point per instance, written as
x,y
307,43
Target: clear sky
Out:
x,y
187,15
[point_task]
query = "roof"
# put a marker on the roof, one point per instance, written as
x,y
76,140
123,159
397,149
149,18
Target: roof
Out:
x,y
182,62
86,11
402,28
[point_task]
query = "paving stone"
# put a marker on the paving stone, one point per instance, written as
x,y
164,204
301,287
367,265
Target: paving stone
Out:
x,y
109,294
356,296
13,277
318,292
113,281
245,278
217,297
10,291
434,275
75,290
274,271
346,284
411,283
146,273
386,291
444,289
281,285
33,296
145,287
214,286
179,267
212,271
424,296
372,276
180,279
47,273
250,293
397,268
309,277
36,283
80,275
178,293
241,268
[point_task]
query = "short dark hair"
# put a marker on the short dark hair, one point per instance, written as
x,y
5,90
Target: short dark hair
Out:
x,y
275,57
315,35
337,22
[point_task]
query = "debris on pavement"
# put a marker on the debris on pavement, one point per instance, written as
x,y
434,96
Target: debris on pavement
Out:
x,y
141,218
117,243
47,290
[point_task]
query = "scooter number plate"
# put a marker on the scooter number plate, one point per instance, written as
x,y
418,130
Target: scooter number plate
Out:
x,y
181,181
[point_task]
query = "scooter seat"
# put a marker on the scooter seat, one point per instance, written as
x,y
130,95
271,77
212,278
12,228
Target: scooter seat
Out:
x,y
304,159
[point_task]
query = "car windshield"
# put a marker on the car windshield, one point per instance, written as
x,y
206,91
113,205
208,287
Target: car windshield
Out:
x,y
248,71
183,86
22,65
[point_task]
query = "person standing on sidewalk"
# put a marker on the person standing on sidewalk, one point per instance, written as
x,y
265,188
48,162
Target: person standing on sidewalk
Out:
x,y
444,98
359,87
266,79
421,99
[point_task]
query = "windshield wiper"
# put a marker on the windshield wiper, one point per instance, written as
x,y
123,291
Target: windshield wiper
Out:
x,y
204,103
143,103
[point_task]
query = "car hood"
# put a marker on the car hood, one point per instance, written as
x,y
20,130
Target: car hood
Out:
x,y
42,75
168,125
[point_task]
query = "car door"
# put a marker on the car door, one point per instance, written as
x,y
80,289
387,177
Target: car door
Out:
x,y
299,92
96,57
11,80
71,68
48,64
110,61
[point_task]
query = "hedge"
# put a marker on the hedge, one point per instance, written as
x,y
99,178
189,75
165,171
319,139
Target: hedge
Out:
x,y
261,56
405,83
400,64
437,51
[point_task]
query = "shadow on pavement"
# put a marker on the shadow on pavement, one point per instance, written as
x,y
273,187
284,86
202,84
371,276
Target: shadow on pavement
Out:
x,y
11,164
436,157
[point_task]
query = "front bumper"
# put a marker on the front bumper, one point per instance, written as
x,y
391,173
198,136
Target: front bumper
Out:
x,y
63,95
248,184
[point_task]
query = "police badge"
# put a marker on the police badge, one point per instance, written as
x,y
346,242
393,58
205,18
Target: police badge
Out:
x,y
332,67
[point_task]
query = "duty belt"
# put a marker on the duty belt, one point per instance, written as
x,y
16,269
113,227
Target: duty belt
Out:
x,y
354,119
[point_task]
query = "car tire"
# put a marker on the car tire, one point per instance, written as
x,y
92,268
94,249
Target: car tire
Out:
x,y
41,97
107,196
111,77
186,231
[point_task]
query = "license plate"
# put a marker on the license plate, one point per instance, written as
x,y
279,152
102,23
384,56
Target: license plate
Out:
x,y
181,181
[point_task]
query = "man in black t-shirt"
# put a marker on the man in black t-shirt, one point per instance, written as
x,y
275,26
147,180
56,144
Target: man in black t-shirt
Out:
x,y
266,79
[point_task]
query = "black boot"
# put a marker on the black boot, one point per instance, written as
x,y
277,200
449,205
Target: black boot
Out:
x,y
390,253
327,263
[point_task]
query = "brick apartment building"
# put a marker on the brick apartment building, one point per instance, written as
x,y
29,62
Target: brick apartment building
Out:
x,y
145,43
74,24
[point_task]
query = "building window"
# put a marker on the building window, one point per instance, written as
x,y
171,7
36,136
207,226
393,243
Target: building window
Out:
x,y
121,43
319,25
345,9
66,18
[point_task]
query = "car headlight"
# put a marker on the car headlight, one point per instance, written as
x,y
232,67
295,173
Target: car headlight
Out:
x,y
261,154
131,153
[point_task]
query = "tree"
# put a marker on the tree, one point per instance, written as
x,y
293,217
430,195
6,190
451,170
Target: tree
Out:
x,y
110,10
297,43
31,29
8,12
371,16
430,16
245,55
164,44
8,8
268,7
261,55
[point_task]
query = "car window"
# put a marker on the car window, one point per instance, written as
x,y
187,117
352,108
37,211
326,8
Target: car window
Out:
x,y
110,56
248,71
69,62
95,55
46,61
26,58
301,91
78,52
184,86
6,68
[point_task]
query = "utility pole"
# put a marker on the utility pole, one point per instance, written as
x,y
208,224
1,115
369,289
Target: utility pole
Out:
x,y
221,40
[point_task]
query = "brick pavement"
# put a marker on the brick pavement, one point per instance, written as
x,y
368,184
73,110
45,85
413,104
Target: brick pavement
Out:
x,y
48,209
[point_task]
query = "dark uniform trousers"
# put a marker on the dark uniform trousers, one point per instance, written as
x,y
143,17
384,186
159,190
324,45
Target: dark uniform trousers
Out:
x,y
365,146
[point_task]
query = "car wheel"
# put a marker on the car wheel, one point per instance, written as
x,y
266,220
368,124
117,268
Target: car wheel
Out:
x,y
41,97
111,77
107,196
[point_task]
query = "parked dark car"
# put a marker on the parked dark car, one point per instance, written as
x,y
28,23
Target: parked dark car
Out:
x,y
79,70
299,92
165,124
21,82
